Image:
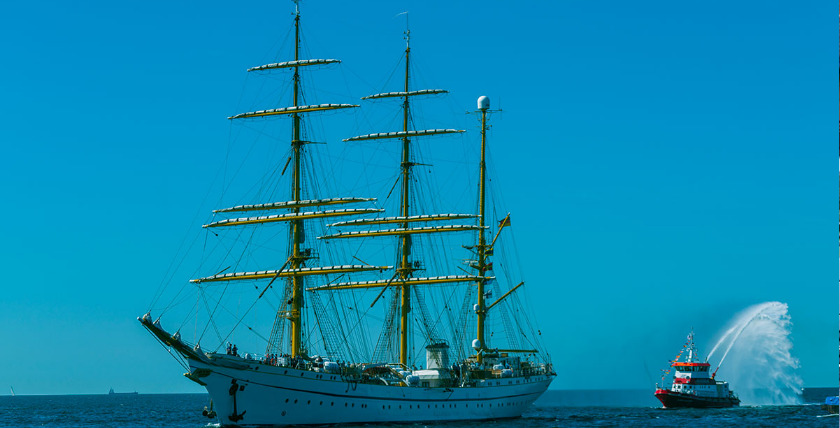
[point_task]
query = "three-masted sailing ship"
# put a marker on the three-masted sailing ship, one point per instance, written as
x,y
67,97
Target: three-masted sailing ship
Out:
x,y
316,372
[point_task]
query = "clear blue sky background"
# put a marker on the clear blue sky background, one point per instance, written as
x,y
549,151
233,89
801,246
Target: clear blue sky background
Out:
x,y
669,164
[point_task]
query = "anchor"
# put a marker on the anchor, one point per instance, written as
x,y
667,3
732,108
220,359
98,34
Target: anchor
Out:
x,y
209,413
235,417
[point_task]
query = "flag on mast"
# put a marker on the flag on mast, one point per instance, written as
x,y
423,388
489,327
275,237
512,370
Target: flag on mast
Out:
x,y
505,222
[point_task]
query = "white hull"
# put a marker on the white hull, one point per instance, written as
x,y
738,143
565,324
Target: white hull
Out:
x,y
268,395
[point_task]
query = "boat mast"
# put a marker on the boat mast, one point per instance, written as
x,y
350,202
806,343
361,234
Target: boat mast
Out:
x,y
296,226
403,278
405,265
481,312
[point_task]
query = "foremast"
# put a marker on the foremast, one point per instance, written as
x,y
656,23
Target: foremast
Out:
x,y
291,310
296,226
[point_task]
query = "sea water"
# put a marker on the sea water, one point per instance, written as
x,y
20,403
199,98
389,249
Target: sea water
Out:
x,y
556,408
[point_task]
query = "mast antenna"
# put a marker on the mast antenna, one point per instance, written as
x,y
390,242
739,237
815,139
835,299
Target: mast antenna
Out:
x,y
407,29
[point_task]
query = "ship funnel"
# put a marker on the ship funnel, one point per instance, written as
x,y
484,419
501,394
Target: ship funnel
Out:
x,y
437,356
483,102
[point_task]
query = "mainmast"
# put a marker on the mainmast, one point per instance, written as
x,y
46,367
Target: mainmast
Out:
x,y
296,226
403,278
405,268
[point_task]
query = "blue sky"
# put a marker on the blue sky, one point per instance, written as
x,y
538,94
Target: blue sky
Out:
x,y
668,165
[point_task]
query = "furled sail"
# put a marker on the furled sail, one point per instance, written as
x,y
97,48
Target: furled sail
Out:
x,y
298,63
398,281
405,94
292,216
290,110
401,134
293,204
402,231
412,218
305,271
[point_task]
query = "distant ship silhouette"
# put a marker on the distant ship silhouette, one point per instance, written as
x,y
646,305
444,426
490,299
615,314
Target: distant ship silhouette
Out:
x,y
111,392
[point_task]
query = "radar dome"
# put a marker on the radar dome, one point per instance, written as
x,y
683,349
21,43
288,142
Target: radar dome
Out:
x,y
483,102
476,344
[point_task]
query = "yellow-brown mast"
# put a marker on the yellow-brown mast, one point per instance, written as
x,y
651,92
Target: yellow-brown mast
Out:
x,y
292,309
405,265
296,226
403,278
481,312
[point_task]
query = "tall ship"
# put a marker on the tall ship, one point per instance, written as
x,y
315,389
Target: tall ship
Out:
x,y
438,330
692,385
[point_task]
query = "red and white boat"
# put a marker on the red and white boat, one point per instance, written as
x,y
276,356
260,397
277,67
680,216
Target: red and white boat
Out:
x,y
692,386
